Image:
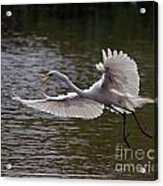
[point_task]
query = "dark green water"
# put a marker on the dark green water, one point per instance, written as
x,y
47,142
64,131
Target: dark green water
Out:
x,y
69,38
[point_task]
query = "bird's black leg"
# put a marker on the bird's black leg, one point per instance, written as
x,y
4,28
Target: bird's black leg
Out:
x,y
140,127
124,126
124,130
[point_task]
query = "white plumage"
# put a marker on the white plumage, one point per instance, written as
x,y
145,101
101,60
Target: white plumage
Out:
x,y
122,71
117,89
70,105
121,81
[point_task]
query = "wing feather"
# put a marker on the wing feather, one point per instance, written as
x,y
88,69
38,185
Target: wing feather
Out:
x,y
71,105
120,73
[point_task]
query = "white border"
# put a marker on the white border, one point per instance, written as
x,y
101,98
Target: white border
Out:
x,y
70,182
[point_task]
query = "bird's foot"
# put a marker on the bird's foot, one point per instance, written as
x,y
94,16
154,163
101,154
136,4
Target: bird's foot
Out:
x,y
125,138
148,135
126,142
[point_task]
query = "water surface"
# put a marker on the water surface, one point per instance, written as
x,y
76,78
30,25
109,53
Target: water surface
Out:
x,y
68,38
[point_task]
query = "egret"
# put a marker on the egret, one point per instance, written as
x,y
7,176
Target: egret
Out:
x,y
117,90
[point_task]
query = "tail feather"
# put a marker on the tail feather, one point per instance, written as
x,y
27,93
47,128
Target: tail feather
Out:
x,y
143,101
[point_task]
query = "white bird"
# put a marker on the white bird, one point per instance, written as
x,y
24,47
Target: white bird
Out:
x,y
118,90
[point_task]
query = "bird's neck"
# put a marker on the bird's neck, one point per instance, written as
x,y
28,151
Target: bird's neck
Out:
x,y
73,87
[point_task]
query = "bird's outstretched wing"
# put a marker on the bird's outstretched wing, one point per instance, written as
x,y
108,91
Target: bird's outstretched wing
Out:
x,y
70,106
119,72
120,79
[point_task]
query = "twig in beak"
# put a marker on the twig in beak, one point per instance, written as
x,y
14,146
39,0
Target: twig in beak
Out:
x,y
44,80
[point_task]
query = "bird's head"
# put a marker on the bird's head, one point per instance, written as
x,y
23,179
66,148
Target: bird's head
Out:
x,y
53,74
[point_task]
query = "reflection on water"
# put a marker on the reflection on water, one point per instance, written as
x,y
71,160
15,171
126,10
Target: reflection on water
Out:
x,y
36,143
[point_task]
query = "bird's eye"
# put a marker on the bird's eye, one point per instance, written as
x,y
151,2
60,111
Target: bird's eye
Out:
x,y
50,75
